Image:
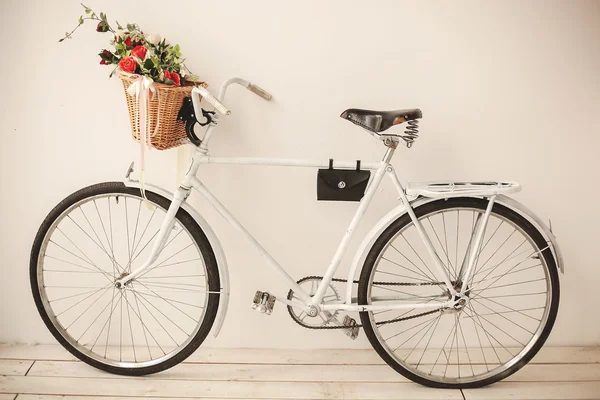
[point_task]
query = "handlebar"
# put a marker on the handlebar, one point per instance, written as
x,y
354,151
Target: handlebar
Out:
x,y
200,91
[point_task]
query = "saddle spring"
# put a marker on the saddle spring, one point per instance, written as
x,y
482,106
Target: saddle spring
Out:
x,y
411,132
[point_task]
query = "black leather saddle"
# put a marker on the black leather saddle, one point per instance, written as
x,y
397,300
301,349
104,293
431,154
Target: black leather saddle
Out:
x,y
379,121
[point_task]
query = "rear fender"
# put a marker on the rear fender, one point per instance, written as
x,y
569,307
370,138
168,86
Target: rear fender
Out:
x,y
390,217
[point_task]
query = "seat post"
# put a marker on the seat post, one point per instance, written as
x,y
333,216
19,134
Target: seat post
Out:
x,y
391,145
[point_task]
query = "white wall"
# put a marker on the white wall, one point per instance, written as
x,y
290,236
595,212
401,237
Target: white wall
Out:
x,y
509,90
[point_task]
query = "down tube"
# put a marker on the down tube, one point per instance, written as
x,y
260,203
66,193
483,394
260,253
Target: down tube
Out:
x,y
292,284
337,258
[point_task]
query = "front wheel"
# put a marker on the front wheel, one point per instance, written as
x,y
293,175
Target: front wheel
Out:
x,y
100,234
512,295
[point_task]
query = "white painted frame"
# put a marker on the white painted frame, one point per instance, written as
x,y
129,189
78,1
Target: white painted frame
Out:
x,y
432,190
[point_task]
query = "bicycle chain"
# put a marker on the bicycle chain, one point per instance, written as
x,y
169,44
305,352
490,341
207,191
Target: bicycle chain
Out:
x,y
389,321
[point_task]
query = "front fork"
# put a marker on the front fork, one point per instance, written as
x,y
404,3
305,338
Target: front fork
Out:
x,y
163,234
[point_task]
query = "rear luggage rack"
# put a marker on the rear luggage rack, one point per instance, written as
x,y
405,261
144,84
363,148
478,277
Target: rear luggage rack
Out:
x,y
457,189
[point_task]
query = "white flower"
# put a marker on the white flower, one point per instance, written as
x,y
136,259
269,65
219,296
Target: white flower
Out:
x,y
121,34
154,38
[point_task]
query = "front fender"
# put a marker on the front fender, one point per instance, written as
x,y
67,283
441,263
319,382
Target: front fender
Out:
x,y
215,244
397,212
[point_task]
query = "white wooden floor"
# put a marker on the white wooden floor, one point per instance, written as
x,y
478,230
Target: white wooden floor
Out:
x,y
47,372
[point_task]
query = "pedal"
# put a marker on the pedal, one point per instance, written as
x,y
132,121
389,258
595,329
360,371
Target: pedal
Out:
x,y
351,327
263,302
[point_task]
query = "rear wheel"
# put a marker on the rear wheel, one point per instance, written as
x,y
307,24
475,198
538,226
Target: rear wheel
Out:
x,y
99,234
513,295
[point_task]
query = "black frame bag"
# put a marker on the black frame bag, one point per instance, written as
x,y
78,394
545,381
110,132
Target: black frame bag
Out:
x,y
342,184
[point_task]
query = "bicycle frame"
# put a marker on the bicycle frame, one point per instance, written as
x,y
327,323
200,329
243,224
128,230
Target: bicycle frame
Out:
x,y
192,182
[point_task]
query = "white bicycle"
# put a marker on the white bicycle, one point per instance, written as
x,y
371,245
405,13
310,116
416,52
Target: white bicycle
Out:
x,y
457,286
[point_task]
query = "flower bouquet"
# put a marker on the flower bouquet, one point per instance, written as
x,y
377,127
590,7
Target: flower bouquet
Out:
x,y
154,76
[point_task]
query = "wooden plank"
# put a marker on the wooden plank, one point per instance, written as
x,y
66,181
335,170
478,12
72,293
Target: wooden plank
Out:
x,y
50,397
7,396
306,373
14,367
180,388
566,355
533,390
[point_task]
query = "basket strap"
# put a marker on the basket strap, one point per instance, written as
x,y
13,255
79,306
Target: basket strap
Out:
x,y
140,88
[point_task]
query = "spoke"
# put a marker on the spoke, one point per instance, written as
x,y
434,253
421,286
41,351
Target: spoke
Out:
x,y
502,245
508,319
143,232
139,317
82,300
112,251
500,329
106,273
442,246
174,276
169,303
167,259
512,310
104,326
408,329
98,270
129,318
99,243
511,284
429,322
73,295
466,348
127,226
446,243
112,310
488,334
93,322
408,269
501,262
163,314
177,263
457,238
428,341
496,280
84,311
434,323
451,345
509,273
166,298
480,345
442,351
414,251
148,329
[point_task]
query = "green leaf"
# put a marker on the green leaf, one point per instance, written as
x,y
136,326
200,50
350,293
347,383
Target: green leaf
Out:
x,y
119,26
81,20
148,64
169,82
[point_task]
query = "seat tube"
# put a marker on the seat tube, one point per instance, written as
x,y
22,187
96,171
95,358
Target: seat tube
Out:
x,y
360,212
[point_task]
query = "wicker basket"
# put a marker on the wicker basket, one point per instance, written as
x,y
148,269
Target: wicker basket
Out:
x,y
164,105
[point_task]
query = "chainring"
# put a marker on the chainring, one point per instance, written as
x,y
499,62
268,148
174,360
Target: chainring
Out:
x,y
323,318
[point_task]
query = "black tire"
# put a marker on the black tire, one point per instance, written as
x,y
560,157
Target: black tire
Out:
x,y
425,209
186,220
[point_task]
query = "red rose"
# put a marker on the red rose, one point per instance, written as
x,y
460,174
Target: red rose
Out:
x,y
167,75
127,64
128,41
104,62
139,52
102,27
175,78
